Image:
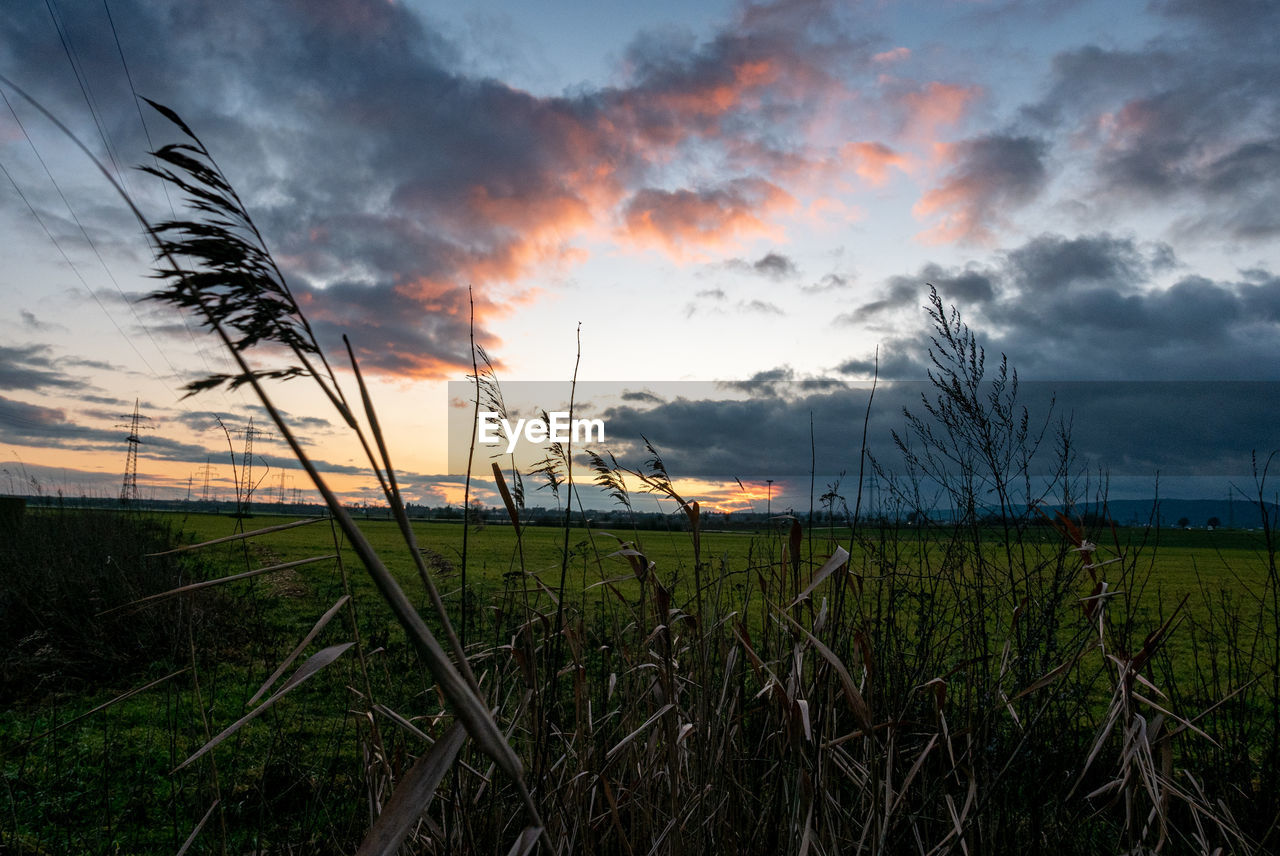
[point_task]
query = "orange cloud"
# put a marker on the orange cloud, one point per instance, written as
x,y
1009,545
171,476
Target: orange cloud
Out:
x,y
896,55
935,105
872,161
712,98
684,222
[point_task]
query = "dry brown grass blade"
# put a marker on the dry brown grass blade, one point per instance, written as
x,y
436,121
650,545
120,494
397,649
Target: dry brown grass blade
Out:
x,y
293,655
856,702
794,540
621,744
524,844
1113,715
615,815
911,774
1155,637
313,665
239,536
123,696
506,498
465,701
1054,673
640,565
207,583
404,723
837,560
186,845
1184,723
412,795
757,664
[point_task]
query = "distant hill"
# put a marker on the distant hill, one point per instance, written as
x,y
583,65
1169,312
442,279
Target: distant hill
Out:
x,y
1238,514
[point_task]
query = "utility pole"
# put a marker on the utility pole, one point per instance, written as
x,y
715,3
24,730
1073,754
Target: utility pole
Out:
x,y
129,485
769,500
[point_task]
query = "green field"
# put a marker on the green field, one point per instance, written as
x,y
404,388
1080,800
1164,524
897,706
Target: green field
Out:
x,y
913,608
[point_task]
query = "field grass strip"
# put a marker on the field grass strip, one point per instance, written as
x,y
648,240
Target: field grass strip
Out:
x,y
123,696
239,537
207,583
293,655
186,845
313,664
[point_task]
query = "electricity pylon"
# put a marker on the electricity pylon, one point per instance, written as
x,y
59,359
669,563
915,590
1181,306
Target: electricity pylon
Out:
x,y
129,488
246,465
205,472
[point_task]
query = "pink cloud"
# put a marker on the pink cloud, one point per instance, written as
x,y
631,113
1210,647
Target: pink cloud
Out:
x,y
890,56
928,108
872,161
987,178
686,223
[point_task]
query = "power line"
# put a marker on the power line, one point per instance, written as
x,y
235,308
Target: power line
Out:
x,y
164,185
77,69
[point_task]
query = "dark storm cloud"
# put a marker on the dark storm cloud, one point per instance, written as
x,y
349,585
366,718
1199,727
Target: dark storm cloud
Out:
x,y
1088,308
772,265
1247,19
829,282
970,287
1191,119
1132,353
642,395
989,177
1205,429
1054,264
33,367
775,265
20,420
763,383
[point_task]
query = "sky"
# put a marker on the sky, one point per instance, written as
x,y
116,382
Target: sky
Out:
x,y
654,195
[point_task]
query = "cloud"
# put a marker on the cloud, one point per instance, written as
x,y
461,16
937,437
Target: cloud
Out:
x,y
31,322
968,286
828,282
21,420
989,177
689,222
388,179
775,265
33,367
772,265
767,382
897,54
1205,429
1187,121
872,161
927,107
762,307
1055,264
1094,307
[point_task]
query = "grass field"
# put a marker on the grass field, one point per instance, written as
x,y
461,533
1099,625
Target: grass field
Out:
x,y
297,779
